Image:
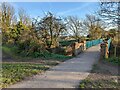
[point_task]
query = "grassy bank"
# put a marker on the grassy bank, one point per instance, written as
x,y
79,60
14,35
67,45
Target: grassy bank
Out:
x,y
113,60
13,52
15,72
102,76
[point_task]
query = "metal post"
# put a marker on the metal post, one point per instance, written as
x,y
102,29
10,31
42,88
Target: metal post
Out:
x,y
115,51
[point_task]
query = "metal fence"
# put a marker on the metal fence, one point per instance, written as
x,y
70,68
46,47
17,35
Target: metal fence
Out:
x,y
109,41
93,43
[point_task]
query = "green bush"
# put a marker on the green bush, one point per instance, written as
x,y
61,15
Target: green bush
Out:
x,y
9,51
48,55
57,50
40,54
28,47
16,52
67,43
114,60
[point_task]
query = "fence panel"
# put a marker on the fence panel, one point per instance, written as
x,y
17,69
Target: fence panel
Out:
x,y
93,43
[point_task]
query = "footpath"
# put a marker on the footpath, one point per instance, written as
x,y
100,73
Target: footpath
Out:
x,y
65,75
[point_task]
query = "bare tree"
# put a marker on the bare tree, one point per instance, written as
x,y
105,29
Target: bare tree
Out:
x,y
110,11
95,26
24,17
74,26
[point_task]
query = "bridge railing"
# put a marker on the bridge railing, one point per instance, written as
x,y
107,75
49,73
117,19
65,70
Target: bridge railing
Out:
x,y
109,41
93,43
78,47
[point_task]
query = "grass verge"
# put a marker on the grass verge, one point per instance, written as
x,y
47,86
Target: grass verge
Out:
x,y
101,76
113,60
15,72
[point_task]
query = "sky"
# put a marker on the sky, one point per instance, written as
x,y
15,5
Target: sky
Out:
x,y
62,9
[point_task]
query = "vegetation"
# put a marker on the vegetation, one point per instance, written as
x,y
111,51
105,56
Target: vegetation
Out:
x,y
101,76
34,37
23,37
13,53
95,26
15,72
88,83
107,12
110,11
114,60
74,26
49,28
67,42
114,56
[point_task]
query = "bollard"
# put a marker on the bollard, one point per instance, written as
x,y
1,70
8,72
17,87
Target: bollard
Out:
x,y
73,49
104,50
84,45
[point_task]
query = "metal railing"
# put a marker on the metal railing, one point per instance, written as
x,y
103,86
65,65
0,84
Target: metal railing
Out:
x,y
109,41
93,43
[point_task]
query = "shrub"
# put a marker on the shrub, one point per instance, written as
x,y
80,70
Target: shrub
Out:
x,y
114,60
48,55
57,50
10,51
67,42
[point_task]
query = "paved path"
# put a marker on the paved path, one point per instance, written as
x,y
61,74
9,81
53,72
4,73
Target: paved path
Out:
x,y
65,75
